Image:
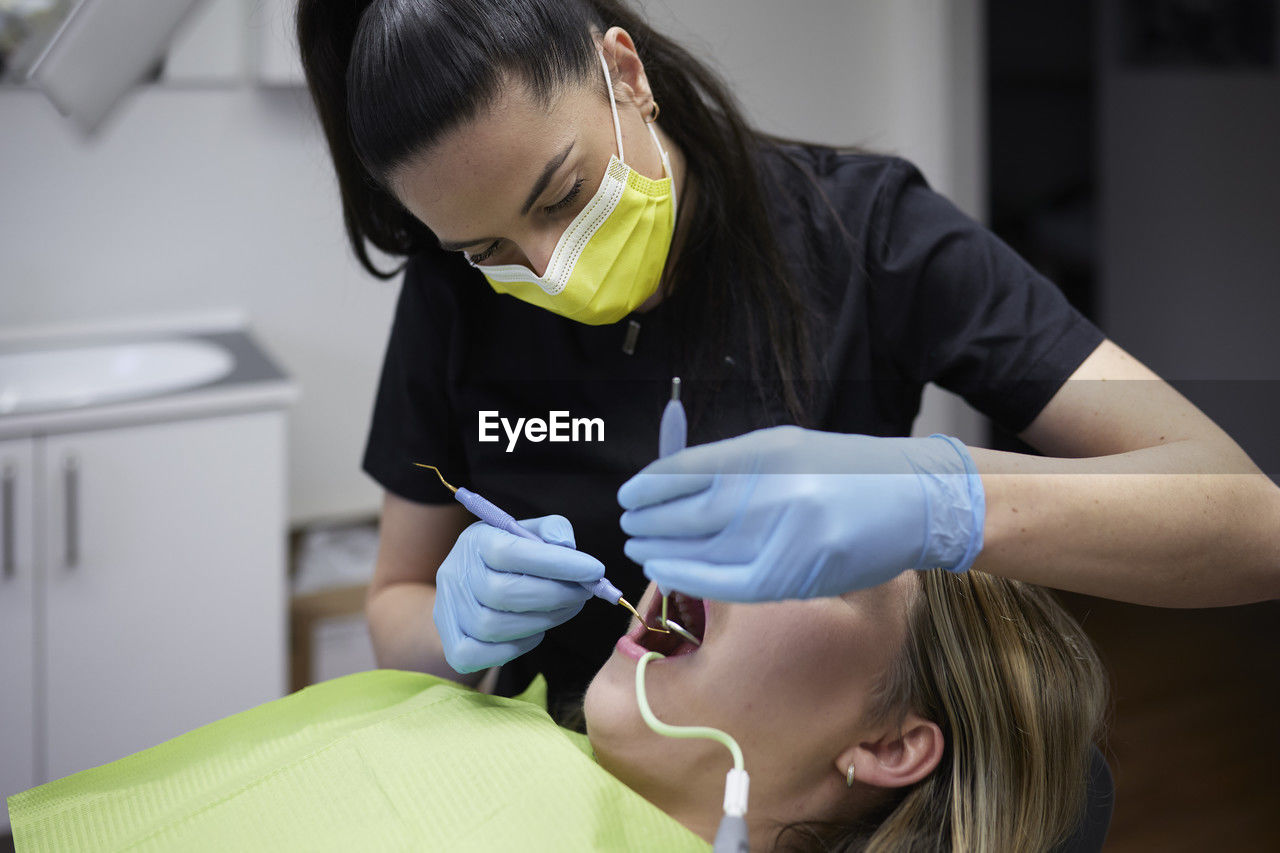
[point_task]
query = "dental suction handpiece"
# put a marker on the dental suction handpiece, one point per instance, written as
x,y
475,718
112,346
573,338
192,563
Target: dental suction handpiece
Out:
x,y
732,835
673,435
491,513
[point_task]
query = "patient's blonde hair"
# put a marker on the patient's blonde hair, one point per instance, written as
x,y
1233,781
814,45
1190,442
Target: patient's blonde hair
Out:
x,y
1020,695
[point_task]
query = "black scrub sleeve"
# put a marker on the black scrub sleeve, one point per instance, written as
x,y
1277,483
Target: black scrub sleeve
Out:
x,y
953,304
413,420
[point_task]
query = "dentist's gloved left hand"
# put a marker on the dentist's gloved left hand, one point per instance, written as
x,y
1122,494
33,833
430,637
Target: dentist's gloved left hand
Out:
x,y
788,512
497,594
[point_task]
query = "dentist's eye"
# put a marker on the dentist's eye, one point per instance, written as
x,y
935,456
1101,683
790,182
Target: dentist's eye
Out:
x,y
567,200
486,254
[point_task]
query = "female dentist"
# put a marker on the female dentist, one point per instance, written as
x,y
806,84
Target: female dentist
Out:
x,y
586,213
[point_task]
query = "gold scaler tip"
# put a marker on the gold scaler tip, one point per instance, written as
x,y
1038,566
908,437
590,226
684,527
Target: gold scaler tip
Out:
x,y
453,489
634,612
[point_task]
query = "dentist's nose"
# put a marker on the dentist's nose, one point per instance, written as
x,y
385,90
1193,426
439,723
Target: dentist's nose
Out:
x,y
539,258
538,250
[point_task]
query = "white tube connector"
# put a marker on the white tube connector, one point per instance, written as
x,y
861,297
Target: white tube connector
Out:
x,y
736,785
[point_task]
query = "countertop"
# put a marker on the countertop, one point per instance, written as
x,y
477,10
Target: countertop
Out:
x,y
255,381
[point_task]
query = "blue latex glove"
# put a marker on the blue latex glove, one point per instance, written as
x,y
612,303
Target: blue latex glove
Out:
x,y
496,594
796,513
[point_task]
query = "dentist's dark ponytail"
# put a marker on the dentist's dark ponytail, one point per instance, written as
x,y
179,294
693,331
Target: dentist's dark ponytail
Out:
x,y
326,32
390,77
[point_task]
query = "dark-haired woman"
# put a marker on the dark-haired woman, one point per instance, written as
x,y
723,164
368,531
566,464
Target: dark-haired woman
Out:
x,y
585,214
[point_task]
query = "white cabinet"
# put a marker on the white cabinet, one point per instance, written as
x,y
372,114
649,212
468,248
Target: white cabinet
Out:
x,y
159,594
17,620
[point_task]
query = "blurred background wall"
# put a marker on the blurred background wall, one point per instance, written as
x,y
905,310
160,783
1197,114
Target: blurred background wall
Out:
x,y
1189,150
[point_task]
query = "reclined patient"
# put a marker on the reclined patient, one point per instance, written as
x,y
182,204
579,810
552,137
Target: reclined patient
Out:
x,y
966,706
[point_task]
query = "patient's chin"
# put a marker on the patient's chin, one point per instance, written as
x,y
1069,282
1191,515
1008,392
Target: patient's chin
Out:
x,y
610,703
622,743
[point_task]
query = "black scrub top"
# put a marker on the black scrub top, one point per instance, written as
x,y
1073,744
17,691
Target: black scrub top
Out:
x,y
910,290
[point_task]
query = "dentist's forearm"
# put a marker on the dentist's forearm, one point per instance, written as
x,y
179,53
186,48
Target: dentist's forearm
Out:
x,y
1186,524
404,633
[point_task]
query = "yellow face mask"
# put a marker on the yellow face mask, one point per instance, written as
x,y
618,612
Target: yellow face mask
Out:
x,y
610,258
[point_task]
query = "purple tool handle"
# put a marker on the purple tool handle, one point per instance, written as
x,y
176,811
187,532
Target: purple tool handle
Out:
x,y
674,429
490,513
673,435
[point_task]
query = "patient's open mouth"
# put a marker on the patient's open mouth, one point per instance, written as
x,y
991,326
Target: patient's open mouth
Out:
x,y
690,612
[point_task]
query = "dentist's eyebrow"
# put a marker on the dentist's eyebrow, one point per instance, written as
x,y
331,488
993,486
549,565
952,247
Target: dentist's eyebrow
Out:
x,y
539,187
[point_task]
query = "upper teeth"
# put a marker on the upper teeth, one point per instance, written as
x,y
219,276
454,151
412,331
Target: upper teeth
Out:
x,y
682,604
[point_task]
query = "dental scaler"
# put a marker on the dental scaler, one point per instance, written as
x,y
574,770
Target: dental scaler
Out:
x,y
490,513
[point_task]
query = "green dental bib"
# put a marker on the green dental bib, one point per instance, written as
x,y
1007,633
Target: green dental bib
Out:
x,y
381,760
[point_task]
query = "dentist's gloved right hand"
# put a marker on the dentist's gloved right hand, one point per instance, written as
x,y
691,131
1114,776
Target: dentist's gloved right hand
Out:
x,y
786,512
497,594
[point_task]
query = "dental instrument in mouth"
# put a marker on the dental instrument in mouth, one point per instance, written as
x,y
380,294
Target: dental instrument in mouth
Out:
x,y
673,434
490,513
674,626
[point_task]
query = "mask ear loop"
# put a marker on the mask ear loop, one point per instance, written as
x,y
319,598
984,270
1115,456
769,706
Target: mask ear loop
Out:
x,y
666,164
617,129
613,104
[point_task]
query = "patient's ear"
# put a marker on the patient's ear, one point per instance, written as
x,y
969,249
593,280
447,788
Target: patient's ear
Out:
x,y
896,757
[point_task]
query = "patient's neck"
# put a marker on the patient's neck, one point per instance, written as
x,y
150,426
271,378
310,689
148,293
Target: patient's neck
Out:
x,y
697,800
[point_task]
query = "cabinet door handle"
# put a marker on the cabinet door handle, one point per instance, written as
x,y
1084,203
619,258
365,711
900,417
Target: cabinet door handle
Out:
x,y
6,521
71,526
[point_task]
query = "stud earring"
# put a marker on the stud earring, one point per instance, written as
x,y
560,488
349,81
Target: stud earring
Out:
x,y
848,777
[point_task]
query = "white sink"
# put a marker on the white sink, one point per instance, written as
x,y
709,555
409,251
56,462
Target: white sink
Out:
x,y
38,380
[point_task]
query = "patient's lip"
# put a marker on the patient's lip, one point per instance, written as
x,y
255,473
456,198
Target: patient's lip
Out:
x,y
629,647
628,643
